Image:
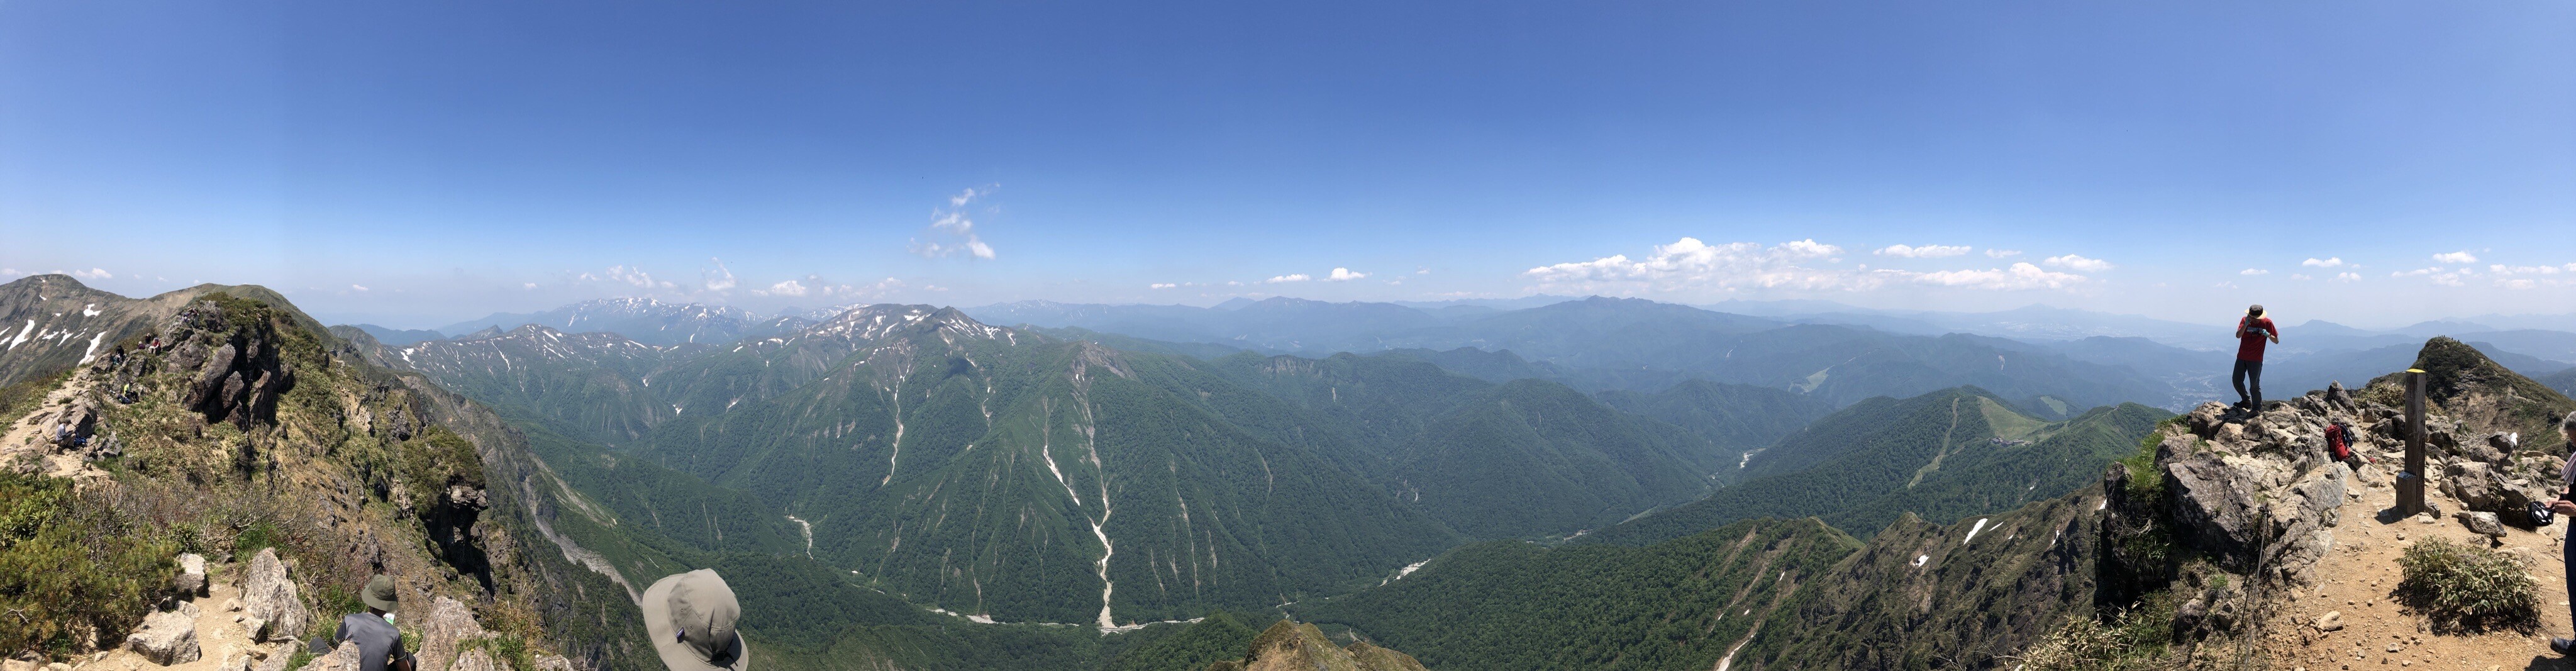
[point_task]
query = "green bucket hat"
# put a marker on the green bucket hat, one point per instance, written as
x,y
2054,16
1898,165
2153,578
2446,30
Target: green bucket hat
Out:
x,y
379,593
691,619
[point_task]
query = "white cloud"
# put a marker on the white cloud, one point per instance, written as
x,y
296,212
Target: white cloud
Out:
x,y
719,279
2078,263
1422,271
13,272
2019,276
1344,275
359,287
1808,249
1692,265
2501,269
2002,253
634,276
1293,277
2328,262
93,274
1923,252
1232,283
2437,275
2225,285
2300,277
2517,283
953,224
2253,271
2348,277
2462,256
1162,285
787,288
530,285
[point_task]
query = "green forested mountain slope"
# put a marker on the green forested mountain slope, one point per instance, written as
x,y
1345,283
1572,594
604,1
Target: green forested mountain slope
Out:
x,y
1735,417
1942,456
588,385
1512,606
1756,594
995,472
1522,458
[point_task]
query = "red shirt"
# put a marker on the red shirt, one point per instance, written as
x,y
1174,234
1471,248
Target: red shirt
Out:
x,y
2250,342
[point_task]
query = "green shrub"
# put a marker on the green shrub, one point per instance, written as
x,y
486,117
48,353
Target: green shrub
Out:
x,y
2135,639
69,563
2468,586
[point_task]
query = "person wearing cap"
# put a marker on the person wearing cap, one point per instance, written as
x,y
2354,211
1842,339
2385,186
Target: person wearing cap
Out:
x,y
690,617
379,643
2567,508
2251,331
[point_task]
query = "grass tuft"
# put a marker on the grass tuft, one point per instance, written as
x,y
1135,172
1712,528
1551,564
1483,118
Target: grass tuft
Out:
x,y
2469,587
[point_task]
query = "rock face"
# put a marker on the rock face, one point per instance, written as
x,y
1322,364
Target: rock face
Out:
x,y
166,638
445,631
2260,491
270,596
475,660
239,374
1289,646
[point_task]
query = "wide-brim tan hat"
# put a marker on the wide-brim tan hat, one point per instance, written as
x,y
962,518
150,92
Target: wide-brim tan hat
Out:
x,y
704,609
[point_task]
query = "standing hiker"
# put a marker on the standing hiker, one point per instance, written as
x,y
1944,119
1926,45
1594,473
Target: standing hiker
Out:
x,y
2564,507
2251,331
690,617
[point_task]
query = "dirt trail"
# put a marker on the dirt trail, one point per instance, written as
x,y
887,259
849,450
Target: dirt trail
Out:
x,y
218,636
2359,579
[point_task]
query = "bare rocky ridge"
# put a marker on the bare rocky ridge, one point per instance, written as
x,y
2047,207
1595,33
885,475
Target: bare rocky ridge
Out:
x,y
222,413
1292,646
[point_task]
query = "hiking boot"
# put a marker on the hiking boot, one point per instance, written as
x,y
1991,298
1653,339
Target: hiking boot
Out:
x,y
2563,646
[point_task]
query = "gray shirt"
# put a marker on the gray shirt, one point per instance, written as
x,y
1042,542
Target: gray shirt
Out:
x,y
379,643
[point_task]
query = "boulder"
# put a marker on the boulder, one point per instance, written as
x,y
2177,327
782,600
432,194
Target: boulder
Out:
x,y
2481,523
343,658
17,665
2339,398
476,660
270,596
278,657
192,575
2504,441
166,638
444,632
554,663
2331,621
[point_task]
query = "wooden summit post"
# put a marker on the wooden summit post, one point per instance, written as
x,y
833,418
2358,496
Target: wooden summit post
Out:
x,y
2410,482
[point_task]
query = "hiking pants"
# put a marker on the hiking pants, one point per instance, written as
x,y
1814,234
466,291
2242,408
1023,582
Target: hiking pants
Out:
x,y
2249,375
2568,552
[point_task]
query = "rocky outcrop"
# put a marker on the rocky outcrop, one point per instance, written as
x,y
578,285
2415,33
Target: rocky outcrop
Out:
x,y
166,638
445,631
475,660
1290,646
270,596
239,373
2256,492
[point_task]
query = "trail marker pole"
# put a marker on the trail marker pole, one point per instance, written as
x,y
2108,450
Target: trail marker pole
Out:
x,y
2410,483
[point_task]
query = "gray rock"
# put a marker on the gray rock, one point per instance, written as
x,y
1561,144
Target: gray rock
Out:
x,y
2331,621
166,638
343,658
269,595
2339,398
477,660
2481,523
444,632
192,574
554,663
278,656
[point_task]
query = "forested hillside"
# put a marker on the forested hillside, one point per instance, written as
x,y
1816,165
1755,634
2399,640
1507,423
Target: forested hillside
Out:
x,y
1943,456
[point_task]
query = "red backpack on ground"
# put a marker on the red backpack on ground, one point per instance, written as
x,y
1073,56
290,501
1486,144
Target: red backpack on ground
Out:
x,y
2339,441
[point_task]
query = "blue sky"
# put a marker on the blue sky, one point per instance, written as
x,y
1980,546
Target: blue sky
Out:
x,y
456,159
